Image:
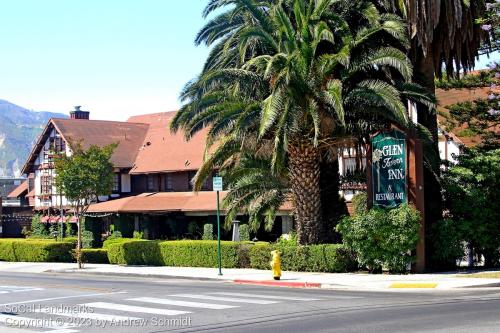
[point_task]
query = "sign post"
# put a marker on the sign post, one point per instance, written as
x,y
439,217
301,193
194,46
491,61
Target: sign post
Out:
x,y
217,186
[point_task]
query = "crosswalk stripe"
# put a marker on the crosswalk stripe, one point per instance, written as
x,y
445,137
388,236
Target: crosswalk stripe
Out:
x,y
24,322
88,315
227,299
183,303
285,298
131,308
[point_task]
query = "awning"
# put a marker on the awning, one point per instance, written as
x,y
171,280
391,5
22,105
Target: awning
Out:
x,y
57,219
203,202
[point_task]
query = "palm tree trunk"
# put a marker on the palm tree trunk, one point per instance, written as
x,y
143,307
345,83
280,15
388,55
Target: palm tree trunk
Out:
x,y
424,74
305,183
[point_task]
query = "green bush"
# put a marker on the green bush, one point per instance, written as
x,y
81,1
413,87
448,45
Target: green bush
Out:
x,y
244,233
383,237
38,229
138,235
95,256
313,258
135,252
199,253
35,250
446,242
110,241
360,203
208,232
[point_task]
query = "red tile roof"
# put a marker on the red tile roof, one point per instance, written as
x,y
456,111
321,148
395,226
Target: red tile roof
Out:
x,y
128,135
20,190
163,151
453,96
204,201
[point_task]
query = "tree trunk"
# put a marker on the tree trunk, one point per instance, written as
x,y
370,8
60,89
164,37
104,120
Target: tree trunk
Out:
x,y
424,75
333,207
79,241
304,178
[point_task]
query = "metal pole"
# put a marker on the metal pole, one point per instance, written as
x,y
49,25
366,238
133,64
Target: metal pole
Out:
x,y
218,236
61,227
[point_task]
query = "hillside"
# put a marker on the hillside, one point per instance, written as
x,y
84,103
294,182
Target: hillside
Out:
x,y
19,128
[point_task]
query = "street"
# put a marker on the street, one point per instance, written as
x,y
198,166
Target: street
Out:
x,y
62,303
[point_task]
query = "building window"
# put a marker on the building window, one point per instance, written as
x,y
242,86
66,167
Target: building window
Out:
x,y
151,183
46,182
116,182
168,182
191,175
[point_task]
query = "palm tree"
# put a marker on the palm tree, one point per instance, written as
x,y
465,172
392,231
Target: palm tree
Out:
x,y
302,77
443,33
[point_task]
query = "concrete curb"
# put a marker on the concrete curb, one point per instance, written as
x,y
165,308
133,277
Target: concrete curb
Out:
x,y
276,283
155,276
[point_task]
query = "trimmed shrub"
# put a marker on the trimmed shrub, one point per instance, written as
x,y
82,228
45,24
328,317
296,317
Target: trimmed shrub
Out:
x,y
208,231
199,253
244,233
135,252
314,258
35,250
95,256
110,241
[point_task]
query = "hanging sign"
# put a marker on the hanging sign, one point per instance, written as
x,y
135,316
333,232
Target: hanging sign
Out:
x,y
389,169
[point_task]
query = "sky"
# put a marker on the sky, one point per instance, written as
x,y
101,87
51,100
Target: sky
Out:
x,y
115,58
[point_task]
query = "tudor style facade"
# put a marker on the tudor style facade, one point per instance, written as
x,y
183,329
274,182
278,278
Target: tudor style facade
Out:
x,y
154,169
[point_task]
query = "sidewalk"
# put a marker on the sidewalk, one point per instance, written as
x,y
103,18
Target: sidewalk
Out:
x,y
349,281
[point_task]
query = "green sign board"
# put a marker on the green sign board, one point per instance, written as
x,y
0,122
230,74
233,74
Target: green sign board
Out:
x,y
389,169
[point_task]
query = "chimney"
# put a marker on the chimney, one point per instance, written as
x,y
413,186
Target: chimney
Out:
x,y
79,114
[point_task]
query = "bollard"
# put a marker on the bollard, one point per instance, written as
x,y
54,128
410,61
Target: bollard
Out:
x,y
276,264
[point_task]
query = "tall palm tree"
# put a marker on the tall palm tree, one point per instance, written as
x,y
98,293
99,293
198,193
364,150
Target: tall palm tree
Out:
x,y
302,77
444,34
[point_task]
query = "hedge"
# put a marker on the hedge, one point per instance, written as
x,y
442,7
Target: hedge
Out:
x,y
189,253
95,256
199,253
135,252
313,258
35,250
119,240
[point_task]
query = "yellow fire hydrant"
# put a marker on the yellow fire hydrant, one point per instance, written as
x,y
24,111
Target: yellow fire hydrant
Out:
x,y
276,264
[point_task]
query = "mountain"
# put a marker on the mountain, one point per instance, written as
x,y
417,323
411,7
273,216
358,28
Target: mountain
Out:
x,y
19,128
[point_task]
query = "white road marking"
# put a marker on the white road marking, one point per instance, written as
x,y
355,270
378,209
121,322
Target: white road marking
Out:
x,y
226,299
65,330
62,297
88,315
24,322
268,296
183,303
16,289
130,308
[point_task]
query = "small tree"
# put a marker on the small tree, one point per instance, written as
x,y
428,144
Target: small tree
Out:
x,y
82,177
208,232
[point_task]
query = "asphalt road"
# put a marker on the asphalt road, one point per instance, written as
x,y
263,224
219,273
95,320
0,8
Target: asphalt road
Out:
x,y
63,303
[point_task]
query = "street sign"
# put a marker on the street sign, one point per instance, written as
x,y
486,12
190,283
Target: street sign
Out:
x,y
217,183
389,169
217,186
